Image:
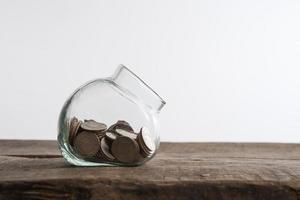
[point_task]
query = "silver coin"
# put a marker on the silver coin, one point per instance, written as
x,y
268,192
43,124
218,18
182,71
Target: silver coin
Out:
x,y
121,124
147,140
91,125
145,152
105,150
126,133
110,136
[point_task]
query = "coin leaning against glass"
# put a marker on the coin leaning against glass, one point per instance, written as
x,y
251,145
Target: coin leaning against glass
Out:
x,y
73,129
146,143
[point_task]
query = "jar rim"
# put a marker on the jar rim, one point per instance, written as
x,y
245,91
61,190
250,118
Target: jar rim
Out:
x,y
121,69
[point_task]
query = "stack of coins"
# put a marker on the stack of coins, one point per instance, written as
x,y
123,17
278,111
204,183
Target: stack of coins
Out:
x,y
146,143
74,127
92,140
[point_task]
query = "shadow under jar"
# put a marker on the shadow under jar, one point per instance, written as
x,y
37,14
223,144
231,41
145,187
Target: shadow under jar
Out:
x,y
110,121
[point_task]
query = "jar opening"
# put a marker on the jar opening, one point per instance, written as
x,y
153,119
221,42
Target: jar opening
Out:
x,y
125,78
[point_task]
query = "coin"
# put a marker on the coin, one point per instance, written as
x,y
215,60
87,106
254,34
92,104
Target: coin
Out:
x,y
91,125
147,145
72,124
125,149
105,150
145,153
77,127
146,139
125,133
124,125
110,137
87,144
73,129
88,120
121,124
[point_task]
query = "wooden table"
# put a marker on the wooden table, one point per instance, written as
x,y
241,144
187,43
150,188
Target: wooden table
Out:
x,y
229,171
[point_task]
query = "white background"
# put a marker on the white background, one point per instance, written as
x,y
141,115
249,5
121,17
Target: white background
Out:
x,y
229,70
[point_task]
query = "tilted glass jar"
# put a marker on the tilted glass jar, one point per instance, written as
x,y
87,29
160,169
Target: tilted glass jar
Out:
x,y
110,121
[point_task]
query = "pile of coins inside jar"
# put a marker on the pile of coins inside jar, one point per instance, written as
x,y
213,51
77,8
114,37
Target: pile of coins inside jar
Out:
x,y
92,140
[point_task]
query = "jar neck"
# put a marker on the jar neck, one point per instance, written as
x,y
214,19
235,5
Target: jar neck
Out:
x,y
129,81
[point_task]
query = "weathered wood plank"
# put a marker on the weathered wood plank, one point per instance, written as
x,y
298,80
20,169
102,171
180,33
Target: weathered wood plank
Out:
x,y
255,150
35,170
29,147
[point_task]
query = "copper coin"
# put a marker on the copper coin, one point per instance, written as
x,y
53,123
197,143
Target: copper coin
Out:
x,y
125,149
73,129
87,144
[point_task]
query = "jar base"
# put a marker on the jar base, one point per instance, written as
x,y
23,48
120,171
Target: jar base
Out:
x,y
73,160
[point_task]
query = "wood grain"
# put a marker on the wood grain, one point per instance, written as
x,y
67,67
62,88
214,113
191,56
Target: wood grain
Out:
x,y
225,171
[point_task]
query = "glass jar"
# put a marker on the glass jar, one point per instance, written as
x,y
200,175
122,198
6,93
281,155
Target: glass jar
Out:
x,y
110,121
